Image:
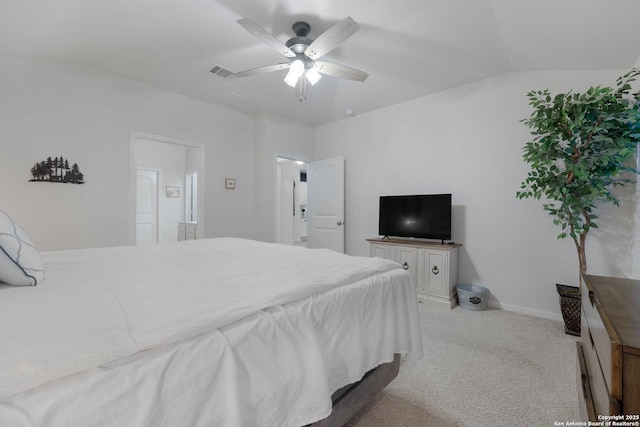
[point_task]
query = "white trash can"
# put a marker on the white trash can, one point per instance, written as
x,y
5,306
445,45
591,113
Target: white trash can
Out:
x,y
473,297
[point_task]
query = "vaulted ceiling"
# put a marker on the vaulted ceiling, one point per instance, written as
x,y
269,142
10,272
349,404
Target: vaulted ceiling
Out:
x,y
410,48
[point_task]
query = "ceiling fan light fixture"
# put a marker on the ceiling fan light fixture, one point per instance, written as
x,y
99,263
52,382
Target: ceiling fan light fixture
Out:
x,y
303,53
291,80
313,76
296,69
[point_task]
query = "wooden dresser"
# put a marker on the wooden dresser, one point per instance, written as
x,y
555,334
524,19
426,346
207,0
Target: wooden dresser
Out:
x,y
609,348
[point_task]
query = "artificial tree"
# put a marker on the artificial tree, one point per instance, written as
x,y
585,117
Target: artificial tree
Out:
x,y
584,145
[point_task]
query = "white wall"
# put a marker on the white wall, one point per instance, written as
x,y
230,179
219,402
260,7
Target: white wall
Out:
x,y
468,141
52,109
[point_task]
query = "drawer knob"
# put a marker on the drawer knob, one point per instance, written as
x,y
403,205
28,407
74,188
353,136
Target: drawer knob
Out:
x,y
405,265
435,270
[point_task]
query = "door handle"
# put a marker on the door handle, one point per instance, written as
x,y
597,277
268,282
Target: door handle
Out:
x,y
339,223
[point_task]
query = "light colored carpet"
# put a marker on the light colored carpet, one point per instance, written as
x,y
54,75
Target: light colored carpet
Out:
x,y
481,368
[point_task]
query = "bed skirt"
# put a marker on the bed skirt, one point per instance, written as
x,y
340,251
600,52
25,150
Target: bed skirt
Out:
x,y
353,397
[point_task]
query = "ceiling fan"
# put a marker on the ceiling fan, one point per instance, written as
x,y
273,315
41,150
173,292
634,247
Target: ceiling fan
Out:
x,y
303,54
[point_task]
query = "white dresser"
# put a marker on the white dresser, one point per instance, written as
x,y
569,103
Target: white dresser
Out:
x,y
433,266
187,230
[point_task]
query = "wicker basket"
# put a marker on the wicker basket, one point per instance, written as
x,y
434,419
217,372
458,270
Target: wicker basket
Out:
x,y
570,308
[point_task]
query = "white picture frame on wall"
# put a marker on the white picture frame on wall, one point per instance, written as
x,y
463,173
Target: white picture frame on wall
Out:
x,y
171,191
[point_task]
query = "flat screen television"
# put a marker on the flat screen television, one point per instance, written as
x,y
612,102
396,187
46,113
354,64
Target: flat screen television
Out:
x,y
426,216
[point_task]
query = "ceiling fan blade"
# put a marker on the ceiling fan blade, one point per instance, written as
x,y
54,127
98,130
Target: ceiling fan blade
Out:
x,y
266,37
331,38
261,70
340,71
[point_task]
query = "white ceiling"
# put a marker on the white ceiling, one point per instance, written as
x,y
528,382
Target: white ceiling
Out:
x,y
410,48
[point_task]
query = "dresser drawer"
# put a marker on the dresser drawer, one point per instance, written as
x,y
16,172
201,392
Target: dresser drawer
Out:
x,y
596,337
602,400
587,411
407,257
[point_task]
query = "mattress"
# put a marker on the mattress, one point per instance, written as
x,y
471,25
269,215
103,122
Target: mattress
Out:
x,y
206,332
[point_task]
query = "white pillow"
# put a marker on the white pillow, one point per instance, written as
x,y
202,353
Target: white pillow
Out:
x,y
20,261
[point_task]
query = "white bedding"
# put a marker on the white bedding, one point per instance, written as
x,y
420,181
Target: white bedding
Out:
x,y
183,334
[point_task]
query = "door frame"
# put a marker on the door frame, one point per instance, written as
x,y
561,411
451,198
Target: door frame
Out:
x,y
133,176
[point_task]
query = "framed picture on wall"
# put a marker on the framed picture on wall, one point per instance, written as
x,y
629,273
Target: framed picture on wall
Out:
x,y
230,183
172,191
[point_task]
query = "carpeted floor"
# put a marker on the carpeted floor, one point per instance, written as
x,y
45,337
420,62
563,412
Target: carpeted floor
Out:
x,y
481,368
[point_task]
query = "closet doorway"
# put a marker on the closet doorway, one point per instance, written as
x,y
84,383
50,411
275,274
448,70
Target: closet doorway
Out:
x,y
179,197
291,201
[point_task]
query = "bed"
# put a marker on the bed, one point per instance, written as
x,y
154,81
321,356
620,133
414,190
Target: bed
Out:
x,y
224,331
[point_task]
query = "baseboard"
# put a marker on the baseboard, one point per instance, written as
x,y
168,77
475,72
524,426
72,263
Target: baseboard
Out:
x,y
524,310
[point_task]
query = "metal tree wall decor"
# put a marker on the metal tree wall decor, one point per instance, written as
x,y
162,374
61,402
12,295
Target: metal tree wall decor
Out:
x,y
56,170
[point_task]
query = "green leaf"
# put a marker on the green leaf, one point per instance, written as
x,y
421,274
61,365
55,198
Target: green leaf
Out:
x,y
584,145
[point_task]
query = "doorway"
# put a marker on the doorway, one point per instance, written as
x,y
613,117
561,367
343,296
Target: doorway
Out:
x,y
291,201
179,197
310,203
191,196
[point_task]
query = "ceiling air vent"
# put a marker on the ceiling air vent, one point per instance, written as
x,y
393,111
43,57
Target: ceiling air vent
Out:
x,y
222,72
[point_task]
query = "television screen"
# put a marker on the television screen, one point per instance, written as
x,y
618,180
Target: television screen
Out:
x,y
423,216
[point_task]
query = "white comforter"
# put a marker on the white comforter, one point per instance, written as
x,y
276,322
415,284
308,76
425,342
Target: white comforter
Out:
x,y
182,334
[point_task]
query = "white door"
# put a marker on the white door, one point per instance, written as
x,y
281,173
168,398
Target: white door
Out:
x,y
146,207
325,204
